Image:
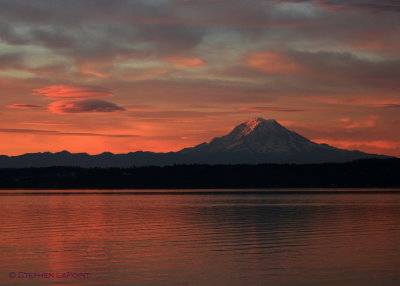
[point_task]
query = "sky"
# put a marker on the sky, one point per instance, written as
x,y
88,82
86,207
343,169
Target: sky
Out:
x,y
159,75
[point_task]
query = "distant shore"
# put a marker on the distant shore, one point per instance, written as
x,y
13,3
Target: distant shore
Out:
x,y
369,173
200,192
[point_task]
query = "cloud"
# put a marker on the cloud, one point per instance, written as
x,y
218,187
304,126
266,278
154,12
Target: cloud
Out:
x,y
10,60
270,109
274,63
168,114
145,12
386,105
340,5
371,5
83,106
351,145
54,132
98,31
185,62
46,123
327,66
72,91
94,38
22,106
144,74
369,122
83,99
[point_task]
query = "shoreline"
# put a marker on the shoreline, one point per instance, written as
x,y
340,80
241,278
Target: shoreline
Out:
x,y
242,191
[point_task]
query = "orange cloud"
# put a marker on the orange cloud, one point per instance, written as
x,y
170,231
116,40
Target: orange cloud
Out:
x,y
22,106
346,144
269,109
72,91
83,106
184,63
92,72
345,120
367,123
274,63
46,123
54,132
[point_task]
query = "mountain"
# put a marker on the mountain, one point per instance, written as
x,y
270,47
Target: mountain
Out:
x,y
259,140
252,142
256,136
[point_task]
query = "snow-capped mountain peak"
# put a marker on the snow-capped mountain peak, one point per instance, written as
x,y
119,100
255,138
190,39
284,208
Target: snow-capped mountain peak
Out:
x,y
256,125
261,140
256,136
253,123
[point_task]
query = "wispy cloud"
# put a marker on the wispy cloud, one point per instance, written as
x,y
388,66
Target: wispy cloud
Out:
x,y
71,91
57,133
185,62
366,123
270,109
22,106
355,144
371,5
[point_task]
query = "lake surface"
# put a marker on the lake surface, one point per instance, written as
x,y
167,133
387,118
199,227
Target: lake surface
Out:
x,y
200,239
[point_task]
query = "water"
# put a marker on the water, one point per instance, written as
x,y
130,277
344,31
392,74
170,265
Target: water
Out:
x,y
175,239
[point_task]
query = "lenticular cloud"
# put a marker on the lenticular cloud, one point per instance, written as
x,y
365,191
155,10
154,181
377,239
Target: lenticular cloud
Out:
x,y
79,99
83,106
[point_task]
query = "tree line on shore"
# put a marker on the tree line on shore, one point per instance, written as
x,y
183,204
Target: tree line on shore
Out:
x,y
357,174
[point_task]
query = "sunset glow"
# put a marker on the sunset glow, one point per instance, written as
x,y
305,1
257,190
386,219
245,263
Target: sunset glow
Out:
x,y
123,76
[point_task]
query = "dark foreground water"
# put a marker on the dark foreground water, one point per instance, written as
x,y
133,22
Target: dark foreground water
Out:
x,y
174,239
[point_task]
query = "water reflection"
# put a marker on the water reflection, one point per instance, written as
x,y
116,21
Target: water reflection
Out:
x,y
346,239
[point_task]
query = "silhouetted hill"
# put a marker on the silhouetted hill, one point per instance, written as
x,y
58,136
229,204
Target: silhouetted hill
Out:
x,y
378,173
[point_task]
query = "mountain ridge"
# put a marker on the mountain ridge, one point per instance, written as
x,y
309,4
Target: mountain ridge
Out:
x,y
254,141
